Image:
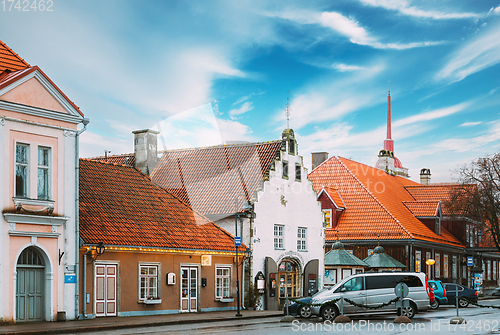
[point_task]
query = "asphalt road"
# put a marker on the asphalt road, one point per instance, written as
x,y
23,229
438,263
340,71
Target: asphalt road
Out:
x,y
479,321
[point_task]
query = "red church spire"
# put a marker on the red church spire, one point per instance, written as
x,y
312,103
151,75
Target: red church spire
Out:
x,y
389,143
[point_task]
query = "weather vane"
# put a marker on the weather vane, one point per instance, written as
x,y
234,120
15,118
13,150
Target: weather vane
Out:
x,y
287,110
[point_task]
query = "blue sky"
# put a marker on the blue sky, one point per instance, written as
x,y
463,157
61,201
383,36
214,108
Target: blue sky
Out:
x,y
229,64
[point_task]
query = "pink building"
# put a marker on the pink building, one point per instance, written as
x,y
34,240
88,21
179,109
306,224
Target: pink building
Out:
x,y
38,149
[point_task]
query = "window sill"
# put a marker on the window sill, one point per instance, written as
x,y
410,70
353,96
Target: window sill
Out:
x,y
279,248
302,250
225,299
151,301
19,204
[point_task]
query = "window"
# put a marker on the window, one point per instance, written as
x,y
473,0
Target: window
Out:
x,y
445,266
428,268
222,281
488,277
418,261
298,170
370,252
148,282
285,169
328,218
278,236
437,266
494,270
291,147
301,239
390,281
454,266
467,235
22,151
354,284
43,173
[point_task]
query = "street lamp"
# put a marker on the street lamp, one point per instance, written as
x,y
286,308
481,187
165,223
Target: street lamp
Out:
x,y
247,212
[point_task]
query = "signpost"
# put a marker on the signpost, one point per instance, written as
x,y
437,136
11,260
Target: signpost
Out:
x,y
470,261
237,241
401,290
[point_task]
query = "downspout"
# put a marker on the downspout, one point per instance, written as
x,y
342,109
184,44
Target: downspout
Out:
x,y
243,286
85,283
85,122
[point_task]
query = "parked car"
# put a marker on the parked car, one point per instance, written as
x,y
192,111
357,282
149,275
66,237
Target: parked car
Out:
x,y
440,297
371,289
432,297
299,309
463,292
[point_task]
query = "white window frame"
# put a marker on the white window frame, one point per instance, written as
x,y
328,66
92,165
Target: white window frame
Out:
x,y
328,215
285,166
279,238
301,239
44,167
298,177
27,173
454,267
147,288
418,261
224,278
488,276
445,266
494,270
437,266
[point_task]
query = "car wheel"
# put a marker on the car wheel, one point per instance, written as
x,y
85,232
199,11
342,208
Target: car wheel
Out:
x,y
435,304
409,312
329,313
305,312
463,303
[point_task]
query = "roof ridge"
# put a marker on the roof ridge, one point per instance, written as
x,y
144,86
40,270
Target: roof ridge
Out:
x,y
108,163
371,194
117,155
15,54
218,146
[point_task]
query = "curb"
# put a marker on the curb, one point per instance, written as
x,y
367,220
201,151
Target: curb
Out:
x,y
135,325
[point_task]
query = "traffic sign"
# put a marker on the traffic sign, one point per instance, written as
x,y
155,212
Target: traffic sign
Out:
x,y
470,261
401,290
237,241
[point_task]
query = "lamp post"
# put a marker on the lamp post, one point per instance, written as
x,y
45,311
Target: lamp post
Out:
x,y
247,208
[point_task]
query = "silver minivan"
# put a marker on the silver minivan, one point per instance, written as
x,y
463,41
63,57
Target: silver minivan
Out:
x,y
372,289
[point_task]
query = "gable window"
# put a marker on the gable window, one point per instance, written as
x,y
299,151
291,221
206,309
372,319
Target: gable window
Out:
x,y
148,282
285,170
301,239
445,266
437,266
328,218
418,261
291,147
43,173
278,236
222,282
22,152
298,170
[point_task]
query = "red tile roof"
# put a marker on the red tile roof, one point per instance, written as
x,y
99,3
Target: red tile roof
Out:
x,y
375,203
121,206
434,192
123,159
9,60
423,208
211,178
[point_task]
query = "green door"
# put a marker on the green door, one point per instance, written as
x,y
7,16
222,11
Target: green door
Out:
x,y
29,287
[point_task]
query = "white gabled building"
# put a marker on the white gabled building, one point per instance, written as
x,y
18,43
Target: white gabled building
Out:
x,y
284,240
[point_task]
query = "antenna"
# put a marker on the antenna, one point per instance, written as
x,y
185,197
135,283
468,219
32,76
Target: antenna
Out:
x,y
287,110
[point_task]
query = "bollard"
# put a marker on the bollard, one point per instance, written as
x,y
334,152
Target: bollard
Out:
x,y
342,305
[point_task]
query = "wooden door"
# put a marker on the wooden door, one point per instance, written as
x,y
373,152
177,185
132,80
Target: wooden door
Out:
x,y
105,290
189,289
29,294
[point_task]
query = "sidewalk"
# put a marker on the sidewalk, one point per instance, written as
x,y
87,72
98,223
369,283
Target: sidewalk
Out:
x,y
130,322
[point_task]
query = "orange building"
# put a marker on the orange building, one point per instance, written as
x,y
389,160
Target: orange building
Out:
x,y
144,251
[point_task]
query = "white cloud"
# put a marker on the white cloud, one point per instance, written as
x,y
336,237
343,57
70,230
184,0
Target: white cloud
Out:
x,y
345,67
245,107
468,124
481,52
431,115
495,10
93,145
405,8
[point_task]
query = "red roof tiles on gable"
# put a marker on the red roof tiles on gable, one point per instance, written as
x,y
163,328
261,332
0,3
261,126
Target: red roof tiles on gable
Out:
x,y
121,206
123,159
375,203
211,178
334,195
9,60
435,192
423,208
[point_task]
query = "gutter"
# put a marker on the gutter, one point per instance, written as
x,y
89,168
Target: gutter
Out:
x,y
85,122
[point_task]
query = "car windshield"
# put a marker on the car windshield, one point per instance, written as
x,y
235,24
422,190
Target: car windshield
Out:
x,y
322,290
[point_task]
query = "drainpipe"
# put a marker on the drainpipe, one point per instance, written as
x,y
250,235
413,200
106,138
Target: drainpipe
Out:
x,y
85,283
243,286
85,122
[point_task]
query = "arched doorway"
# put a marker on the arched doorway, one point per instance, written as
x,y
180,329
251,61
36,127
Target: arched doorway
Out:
x,y
289,280
30,278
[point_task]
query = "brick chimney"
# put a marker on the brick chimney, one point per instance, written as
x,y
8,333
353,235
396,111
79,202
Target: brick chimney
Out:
x,y
425,176
145,150
318,158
